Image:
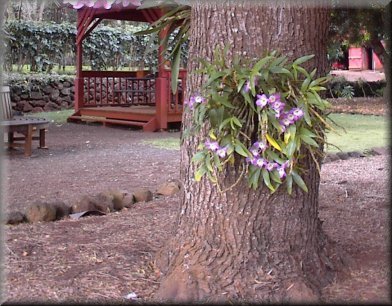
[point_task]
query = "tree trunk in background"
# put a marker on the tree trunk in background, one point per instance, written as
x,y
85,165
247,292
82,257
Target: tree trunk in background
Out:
x,y
41,10
246,244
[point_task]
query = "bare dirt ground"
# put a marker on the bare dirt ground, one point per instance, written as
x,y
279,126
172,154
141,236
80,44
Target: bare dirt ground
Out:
x,y
104,258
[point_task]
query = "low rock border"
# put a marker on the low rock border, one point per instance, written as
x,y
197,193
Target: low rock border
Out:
x,y
100,204
331,157
115,200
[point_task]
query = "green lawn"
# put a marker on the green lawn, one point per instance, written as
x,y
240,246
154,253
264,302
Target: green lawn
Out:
x,y
360,132
164,143
58,117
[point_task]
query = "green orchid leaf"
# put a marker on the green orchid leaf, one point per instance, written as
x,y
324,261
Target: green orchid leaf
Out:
x,y
309,141
266,178
275,177
302,59
208,163
200,173
198,157
241,149
299,181
254,178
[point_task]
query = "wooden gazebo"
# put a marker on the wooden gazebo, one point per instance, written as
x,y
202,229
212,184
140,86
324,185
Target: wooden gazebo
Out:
x,y
132,98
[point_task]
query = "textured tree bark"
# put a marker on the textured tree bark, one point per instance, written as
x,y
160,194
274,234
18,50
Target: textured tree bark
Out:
x,y
245,244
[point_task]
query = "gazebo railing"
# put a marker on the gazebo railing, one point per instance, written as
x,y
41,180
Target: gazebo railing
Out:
x,y
117,88
125,88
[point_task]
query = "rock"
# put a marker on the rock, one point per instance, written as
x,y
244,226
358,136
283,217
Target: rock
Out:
x,y
142,195
104,203
48,89
27,108
15,99
51,106
40,212
116,197
342,155
330,157
168,188
62,210
129,200
40,103
24,96
36,95
85,203
37,110
65,91
64,105
55,95
380,151
67,99
72,89
327,159
59,85
67,84
21,105
15,217
355,154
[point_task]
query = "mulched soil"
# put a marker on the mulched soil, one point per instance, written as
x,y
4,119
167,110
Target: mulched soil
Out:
x,y
104,258
364,106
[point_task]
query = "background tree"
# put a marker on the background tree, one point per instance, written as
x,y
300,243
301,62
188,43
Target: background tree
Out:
x,y
362,26
38,10
243,243
367,26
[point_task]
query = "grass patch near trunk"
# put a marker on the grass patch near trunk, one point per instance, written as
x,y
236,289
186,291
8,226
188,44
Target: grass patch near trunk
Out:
x,y
361,132
58,117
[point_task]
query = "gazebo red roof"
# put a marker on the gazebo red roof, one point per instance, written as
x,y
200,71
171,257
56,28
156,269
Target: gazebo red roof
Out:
x,y
116,10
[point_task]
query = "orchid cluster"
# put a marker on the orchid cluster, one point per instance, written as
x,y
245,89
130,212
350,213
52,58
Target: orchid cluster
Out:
x,y
194,100
107,4
283,113
214,147
260,162
286,118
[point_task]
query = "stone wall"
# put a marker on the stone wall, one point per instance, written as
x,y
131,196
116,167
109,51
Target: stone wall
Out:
x,y
42,94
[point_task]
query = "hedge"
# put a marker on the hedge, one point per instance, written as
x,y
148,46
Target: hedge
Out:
x,y
42,45
340,87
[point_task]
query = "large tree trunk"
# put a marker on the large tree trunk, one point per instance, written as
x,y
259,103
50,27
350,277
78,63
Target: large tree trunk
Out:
x,y
245,244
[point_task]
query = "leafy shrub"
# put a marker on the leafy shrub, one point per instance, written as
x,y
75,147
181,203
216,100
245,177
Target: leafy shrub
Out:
x,y
340,87
43,45
26,83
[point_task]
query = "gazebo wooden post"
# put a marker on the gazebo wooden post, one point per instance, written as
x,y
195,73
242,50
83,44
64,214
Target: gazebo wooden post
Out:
x,y
162,93
79,88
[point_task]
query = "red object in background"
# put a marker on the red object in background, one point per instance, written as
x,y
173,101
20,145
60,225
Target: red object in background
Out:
x,y
377,63
338,66
361,58
357,59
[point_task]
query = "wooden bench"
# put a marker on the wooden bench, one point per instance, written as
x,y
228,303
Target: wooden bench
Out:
x,y
25,126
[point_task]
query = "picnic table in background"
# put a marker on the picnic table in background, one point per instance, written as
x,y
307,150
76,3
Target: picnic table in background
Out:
x,y
25,127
